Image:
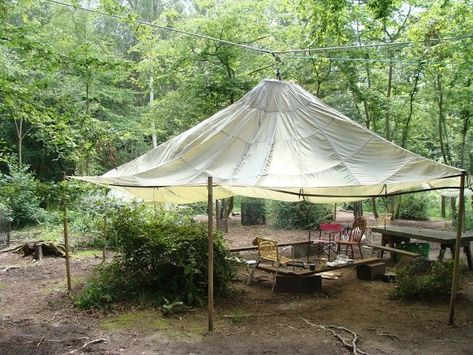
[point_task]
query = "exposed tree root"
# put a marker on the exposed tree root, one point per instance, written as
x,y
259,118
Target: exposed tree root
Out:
x,y
95,341
337,331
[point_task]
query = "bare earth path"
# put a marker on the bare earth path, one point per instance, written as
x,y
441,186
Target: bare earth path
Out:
x,y
37,316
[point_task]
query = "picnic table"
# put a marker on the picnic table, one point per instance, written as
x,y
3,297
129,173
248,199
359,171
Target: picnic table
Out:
x,y
394,234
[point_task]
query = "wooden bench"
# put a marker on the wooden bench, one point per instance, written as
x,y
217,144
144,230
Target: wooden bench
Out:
x,y
406,256
395,251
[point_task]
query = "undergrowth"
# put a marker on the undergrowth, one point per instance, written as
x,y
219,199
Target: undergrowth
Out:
x,y
424,280
161,258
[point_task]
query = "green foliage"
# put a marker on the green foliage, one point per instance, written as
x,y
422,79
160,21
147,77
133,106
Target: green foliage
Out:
x,y
414,206
107,286
5,212
19,193
423,280
89,212
159,254
253,211
303,215
74,85
171,308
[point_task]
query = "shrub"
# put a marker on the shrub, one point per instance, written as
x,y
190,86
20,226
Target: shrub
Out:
x,y
303,215
5,212
19,192
414,206
423,280
161,255
253,211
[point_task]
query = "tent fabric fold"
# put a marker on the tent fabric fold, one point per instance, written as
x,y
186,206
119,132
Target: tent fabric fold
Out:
x,y
277,142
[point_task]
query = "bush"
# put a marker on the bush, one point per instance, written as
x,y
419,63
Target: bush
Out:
x,y
303,215
161,255
19,193
414,206
5,212
423,280
253,211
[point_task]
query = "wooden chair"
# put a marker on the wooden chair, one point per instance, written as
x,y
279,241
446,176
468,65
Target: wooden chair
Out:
x,y
355,235
268,251
327,238
384,219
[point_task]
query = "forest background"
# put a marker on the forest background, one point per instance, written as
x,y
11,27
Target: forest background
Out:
x,y
85,90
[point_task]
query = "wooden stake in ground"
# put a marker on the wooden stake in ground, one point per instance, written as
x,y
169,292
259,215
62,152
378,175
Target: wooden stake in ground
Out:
x,y
210,290
66,237
461,207
217,216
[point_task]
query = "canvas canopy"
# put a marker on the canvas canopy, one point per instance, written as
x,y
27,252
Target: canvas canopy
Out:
x,y
277,142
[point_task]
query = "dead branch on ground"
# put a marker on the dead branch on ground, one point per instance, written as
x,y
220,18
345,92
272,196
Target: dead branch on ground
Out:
x,y
12,249
250,315
386,334
286,325
5,269
95,341
349,343
39,343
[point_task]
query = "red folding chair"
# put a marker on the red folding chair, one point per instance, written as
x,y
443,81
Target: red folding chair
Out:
x,y
327,238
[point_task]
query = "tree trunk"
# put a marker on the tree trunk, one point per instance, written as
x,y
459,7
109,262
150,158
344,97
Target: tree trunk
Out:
x,y
373,204
154,138
442,206
441,122
453,207
396,202
20,136
405,130
466,126
357,209
387,130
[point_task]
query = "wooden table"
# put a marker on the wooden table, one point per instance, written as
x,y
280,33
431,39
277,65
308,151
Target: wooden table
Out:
x,y
395,234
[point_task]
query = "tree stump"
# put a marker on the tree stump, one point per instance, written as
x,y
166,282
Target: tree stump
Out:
x,y
38,251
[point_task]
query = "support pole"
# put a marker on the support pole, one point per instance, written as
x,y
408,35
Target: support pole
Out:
x,y
66,236
335,213
210,300
217,216
461,207
104,231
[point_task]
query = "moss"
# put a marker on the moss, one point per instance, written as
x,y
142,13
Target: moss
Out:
x,y
86,253
143,320
239,317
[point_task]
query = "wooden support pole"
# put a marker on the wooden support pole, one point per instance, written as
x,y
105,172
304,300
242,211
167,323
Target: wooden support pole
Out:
x,y
461,207
104,231
210,299
66,237
335,213
217,216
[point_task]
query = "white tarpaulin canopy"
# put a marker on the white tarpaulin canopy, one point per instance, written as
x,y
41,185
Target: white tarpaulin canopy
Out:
x,y
277,142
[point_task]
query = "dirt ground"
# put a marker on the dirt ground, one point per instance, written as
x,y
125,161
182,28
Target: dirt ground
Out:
x,y
38,317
